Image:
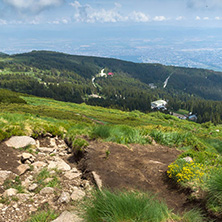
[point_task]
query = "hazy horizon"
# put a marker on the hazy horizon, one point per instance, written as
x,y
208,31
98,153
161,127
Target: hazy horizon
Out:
x,y
171,32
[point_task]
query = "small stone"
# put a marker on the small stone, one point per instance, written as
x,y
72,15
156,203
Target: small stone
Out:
x,y
97,179
37,143
33,209
33,187
1,205
22,169
4,174
46,149
68,217
38,165
59,164
53,142
188,159
10,192
72,174
77,194
47,190
23,197
27,157
15,206
64,198
47,180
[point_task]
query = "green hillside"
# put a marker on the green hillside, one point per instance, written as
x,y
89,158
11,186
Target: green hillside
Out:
x,y
132,87
28,115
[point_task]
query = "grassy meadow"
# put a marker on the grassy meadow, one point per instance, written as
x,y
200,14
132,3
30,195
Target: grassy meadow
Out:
x,y
202,142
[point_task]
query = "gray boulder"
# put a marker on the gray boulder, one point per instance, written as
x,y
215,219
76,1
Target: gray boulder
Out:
x,y
20,141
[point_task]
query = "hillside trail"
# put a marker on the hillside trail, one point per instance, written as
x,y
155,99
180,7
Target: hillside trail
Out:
x,y
138,167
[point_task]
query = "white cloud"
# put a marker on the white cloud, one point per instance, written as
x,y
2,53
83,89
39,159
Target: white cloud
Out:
x,y
85,13
205,18
179,18
198,18
218,18
139,17
32,6
159,18
65,21
3,22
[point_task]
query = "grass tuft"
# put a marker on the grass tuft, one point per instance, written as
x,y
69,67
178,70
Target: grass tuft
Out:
x,y
125,206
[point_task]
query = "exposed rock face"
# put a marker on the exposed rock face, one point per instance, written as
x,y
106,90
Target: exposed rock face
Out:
x,y
20,141
54,169
68,217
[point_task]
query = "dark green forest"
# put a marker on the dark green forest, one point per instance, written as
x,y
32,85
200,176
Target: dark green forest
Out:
x,y
69,78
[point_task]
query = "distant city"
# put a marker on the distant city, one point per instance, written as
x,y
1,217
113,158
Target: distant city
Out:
x,y
177,46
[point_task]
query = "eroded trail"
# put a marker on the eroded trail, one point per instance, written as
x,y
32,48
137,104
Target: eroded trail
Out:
x,y
139,167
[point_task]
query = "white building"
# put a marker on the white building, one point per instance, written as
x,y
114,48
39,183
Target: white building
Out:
x,y
159,104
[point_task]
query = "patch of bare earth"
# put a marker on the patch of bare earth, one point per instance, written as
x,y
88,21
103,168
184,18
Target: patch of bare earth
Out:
x,y
139,167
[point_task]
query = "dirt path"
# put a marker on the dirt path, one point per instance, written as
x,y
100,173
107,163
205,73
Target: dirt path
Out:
x,y
141,168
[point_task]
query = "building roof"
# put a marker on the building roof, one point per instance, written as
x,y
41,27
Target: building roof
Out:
x,y
160,102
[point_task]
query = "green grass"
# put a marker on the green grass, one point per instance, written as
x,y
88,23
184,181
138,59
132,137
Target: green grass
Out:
x,y
42,176
16,184
182,112
125,206
72,122
193,216
215,190
122,134
43,216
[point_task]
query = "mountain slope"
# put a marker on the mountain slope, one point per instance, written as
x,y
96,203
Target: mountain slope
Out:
x,y
133,85
204,83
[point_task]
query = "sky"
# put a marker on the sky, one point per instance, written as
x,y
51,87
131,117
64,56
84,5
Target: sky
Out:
x,y
125,29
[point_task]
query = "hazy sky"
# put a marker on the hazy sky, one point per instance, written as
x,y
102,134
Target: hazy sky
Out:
x,y
182,12
103,27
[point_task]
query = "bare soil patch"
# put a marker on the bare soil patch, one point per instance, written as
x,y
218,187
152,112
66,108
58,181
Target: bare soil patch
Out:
x,y
140,167
9,159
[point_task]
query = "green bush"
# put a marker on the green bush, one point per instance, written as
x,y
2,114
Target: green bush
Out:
x,y
79,145
125,206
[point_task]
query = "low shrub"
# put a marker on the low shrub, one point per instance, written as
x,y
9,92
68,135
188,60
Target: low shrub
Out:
x,y
183,172
79,145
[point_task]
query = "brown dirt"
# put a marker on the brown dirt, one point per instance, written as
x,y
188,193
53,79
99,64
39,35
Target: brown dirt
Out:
x,y
141,167
9,159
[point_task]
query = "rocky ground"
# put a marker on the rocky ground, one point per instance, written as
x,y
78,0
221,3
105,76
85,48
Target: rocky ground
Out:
x,y
43,173
40,175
